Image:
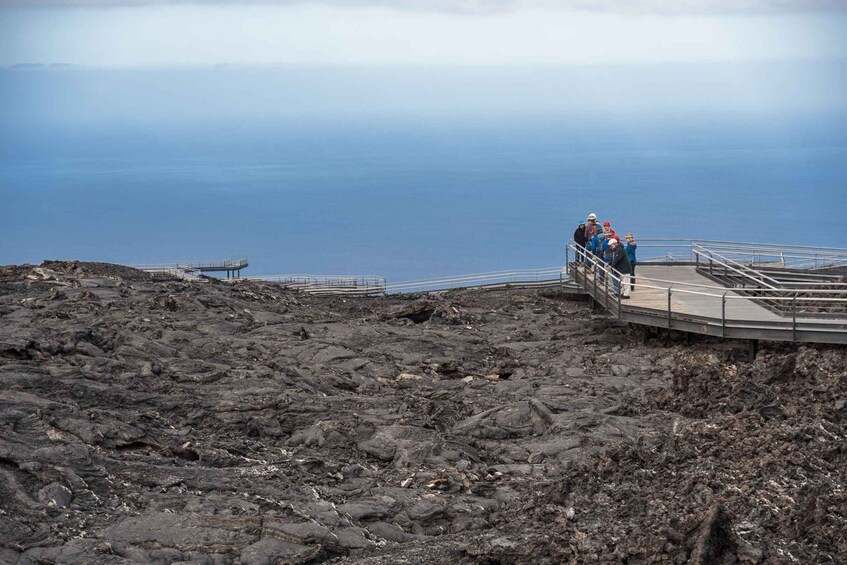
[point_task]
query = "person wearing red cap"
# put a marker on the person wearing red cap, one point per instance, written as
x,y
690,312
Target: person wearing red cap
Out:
x,y
607,229
609,234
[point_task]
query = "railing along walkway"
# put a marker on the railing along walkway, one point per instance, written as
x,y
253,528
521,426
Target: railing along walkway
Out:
x,y
366,285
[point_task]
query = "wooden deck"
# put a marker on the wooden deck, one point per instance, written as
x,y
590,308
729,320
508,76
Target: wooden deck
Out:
x,y
687,280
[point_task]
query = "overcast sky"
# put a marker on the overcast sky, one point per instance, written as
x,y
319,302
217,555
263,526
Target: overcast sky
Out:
x,y
133,33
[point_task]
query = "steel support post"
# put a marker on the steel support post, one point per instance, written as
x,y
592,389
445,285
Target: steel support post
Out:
x,y
619,300
723,315
669,308
794,318
594,276
753,350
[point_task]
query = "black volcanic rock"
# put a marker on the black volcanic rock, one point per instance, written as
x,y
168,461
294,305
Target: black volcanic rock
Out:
x,y
146,420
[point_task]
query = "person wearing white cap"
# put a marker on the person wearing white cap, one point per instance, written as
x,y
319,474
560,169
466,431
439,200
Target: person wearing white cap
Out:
x,y
590,226
619,261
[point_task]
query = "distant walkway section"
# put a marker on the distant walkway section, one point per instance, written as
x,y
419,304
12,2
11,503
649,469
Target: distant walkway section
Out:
x,y
366,285
189,270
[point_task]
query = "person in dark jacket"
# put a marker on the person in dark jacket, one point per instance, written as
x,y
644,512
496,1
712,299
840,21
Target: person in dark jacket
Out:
x,y
579,239
630,252
609,235
619,261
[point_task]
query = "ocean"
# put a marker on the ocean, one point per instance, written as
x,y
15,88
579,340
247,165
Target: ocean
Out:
x,y
409,174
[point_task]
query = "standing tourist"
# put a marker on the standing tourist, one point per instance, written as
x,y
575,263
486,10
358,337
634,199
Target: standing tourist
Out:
x,y
591,226
630,252
620,262
608,234
596,244
580,239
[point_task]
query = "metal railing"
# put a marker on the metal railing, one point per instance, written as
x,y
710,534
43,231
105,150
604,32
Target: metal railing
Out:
x,y
173,273
717,266
747,253
526,277
233,264
592,274
768,290
783,256
372,285
665,250
328,284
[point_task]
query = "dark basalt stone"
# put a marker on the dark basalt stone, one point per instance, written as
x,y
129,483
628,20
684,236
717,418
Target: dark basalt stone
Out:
x,y
156,421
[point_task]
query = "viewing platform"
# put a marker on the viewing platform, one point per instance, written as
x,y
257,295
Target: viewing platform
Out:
x,y
727,289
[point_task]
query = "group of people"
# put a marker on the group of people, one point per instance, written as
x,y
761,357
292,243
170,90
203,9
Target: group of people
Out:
x,y
602,242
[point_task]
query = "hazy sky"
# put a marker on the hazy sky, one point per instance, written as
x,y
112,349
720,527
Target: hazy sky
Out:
x,y
129,33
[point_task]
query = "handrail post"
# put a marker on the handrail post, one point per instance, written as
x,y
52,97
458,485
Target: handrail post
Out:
x,y
567,258
669,308
594,276
723,315
606,289
794,318
620,293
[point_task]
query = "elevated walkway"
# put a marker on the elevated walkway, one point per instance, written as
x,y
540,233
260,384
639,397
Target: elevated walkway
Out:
x,y
189,270
711,294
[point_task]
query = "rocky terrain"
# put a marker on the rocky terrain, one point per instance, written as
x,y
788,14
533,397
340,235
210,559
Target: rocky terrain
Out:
x,y
162,421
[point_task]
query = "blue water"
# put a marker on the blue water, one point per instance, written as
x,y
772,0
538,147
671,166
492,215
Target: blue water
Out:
x,y
406,196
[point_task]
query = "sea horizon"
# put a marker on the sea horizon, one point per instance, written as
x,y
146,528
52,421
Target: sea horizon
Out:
x,y
490,172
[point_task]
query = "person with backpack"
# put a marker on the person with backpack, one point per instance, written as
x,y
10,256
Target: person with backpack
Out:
x,y
596,244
